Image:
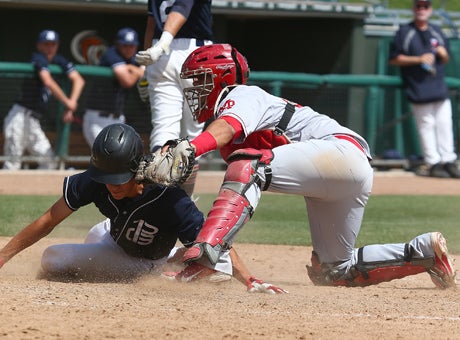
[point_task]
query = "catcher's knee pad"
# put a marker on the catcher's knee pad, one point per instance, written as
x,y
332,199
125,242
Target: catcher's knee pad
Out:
x,y
235,204
368,273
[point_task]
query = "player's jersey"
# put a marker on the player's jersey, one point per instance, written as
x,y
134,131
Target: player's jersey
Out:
x,y
146,226
198,14
259,112
109,98
421,86
34,94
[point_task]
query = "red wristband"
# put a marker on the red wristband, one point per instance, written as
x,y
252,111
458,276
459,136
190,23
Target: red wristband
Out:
x,y
205,142
2,262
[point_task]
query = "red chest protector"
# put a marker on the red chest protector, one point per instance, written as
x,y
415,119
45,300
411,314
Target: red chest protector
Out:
x,y
264,139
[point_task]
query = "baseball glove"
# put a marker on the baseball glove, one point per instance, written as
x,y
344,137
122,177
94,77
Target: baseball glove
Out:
x,y
171,168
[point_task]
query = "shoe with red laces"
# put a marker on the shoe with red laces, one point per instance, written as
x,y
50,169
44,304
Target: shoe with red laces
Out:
x,y
443,272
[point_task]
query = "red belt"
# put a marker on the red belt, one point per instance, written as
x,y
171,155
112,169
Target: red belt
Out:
x,y
351,139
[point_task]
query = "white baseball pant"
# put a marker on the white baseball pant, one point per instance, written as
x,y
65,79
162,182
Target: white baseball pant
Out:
x,y
100,258
335,179
434,125
23,132
93,123
171,116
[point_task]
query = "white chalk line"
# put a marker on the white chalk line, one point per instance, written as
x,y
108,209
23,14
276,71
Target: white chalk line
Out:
x,y
382,316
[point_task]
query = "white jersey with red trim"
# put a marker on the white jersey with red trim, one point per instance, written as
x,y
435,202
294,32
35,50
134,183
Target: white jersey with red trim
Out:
x,y
258,111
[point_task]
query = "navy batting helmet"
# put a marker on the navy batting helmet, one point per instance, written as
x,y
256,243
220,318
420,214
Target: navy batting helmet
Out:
x,y
116,154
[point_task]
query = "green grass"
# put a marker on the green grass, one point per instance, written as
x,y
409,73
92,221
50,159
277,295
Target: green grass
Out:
x,y
279,219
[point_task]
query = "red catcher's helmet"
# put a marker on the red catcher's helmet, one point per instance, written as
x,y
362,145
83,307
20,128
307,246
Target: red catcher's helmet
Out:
x,y
212,68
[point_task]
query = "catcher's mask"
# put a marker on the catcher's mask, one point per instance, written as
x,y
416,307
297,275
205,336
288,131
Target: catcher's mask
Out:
x,y
115,154
212,68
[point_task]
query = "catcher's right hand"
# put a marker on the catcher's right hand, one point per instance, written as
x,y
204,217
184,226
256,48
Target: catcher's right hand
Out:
x,y
255,285
171,167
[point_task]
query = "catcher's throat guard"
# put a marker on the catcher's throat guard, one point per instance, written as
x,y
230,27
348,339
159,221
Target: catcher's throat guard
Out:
x,y
232,207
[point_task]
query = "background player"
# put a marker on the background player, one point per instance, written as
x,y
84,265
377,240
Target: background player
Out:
x,y
272,144
173,30
22,128
142,226
421,50
106,103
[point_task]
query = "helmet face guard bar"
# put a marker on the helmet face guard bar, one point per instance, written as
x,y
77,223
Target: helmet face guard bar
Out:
x,y
197,95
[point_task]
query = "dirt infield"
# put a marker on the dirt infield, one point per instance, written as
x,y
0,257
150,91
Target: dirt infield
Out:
x,y
410,308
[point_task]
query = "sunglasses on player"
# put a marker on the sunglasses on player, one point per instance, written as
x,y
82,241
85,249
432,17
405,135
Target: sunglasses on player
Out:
x,y
424,6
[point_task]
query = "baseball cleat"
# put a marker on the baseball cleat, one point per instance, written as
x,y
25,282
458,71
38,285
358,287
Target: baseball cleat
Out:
x,y
196,271
443,272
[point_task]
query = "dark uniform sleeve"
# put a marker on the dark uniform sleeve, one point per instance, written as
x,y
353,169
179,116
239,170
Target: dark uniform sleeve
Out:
x,y
395,46
39,61
111,58
183,7
66,65
79,190
191,220
198,14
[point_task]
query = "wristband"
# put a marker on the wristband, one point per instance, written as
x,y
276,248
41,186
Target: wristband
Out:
x,y
205,142
2,262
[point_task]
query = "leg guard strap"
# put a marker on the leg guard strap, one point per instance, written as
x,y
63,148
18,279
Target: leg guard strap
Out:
x,y
367,273
230,211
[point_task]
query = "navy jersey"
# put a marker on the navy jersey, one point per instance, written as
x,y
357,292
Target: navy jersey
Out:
x,y
421,86
198,14
145,226
109,98
34,94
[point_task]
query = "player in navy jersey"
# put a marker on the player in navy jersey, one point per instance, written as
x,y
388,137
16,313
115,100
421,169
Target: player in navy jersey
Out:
x,y
22,128
174,29
106,102
421,50
142,225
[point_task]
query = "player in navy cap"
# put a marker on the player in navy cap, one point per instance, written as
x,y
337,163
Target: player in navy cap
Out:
x,y
107,99
22,128
142,225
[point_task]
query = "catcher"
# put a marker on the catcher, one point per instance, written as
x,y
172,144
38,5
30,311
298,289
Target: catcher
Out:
x,y
271,144
142,225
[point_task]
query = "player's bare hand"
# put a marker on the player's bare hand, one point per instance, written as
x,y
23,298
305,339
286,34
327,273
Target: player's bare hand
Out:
x,y
427,58
71,105
441,52
68,116
256,285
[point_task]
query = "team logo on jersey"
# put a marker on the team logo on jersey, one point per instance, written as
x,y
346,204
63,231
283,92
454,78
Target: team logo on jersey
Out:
x,y
227,105
87,47
143,234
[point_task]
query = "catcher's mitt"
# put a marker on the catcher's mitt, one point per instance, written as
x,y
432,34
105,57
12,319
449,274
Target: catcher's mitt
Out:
x,y
170,168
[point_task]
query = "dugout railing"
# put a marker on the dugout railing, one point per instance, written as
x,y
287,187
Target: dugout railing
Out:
x,y
373,105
